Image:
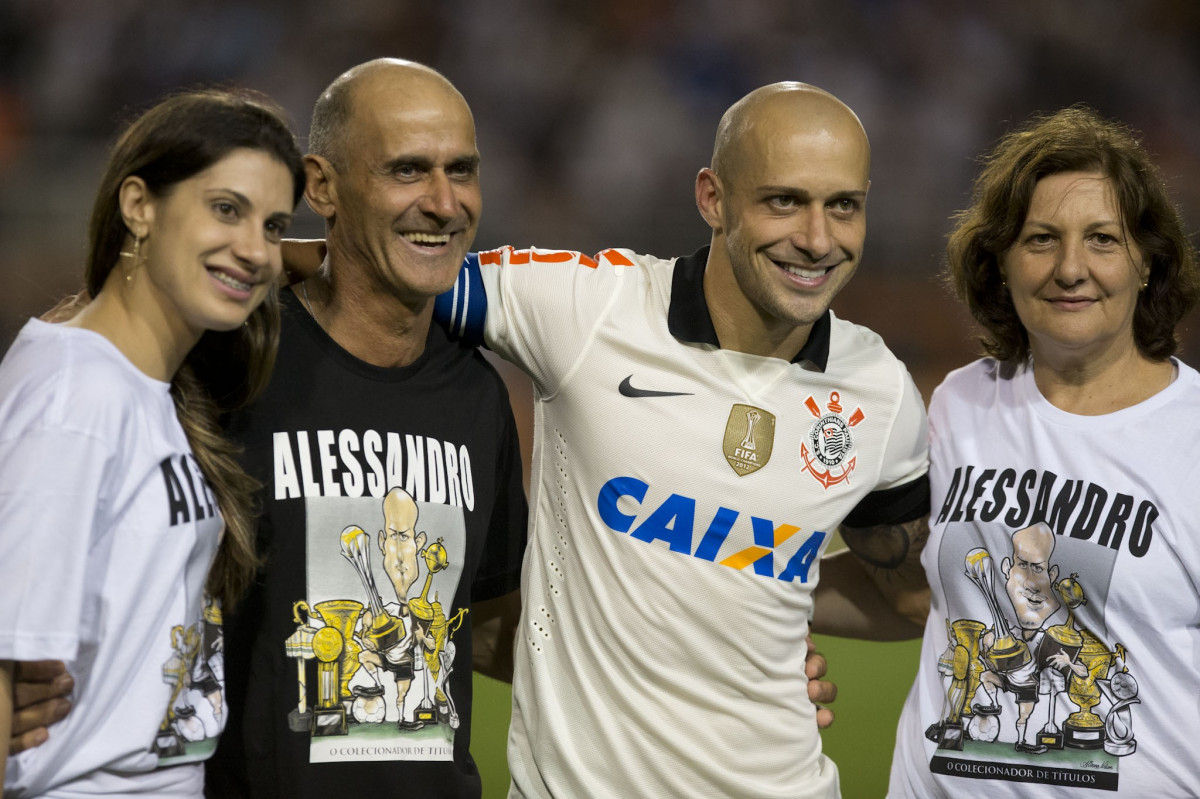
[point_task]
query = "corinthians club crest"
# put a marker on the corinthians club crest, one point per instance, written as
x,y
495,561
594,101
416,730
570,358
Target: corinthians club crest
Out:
x,y
826,454
749,437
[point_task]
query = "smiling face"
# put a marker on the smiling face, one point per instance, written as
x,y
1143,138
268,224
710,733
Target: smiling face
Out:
x,y
788,212
1073,272
1030,577
212,246
406,201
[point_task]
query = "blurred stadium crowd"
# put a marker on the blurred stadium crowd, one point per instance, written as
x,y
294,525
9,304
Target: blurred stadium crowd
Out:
x,y
594,117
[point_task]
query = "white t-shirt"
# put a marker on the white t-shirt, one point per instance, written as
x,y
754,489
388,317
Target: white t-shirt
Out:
x,y
1119,710
107,530
681,498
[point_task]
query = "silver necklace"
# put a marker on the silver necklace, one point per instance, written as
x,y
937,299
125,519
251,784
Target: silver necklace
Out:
x,y
311,310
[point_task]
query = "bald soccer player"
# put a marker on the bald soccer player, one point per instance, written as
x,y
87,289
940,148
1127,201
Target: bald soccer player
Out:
x,y
703,426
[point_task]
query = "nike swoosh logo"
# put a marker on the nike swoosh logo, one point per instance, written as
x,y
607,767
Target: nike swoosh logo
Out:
x,y
627,390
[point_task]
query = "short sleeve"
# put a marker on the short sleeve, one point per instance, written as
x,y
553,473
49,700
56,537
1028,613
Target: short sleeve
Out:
x,y
902,493
543,307
51,482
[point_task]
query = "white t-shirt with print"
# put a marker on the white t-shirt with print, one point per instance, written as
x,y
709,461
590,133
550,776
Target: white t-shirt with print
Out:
x,y
1119,709
107,531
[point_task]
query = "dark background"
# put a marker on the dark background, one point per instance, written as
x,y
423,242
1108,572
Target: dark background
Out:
x,y
593,119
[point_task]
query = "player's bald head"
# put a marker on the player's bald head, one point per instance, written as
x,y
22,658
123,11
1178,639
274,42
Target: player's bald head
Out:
x,y
399,510
787,109
391,81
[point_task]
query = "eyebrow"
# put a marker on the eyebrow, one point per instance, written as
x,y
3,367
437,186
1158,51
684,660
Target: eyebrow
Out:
x,y
425,162
241,198
244,200
849,194
1100,223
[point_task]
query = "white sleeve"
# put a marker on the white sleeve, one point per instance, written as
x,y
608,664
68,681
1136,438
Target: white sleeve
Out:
x,y
902,492
544,305
51,484
907,454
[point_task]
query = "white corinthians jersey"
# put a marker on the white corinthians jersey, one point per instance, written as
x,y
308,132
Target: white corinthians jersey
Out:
x,y
1062,653
682,497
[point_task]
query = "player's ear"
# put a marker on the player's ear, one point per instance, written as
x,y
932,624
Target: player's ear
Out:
x,y
380,540
710,195
320,189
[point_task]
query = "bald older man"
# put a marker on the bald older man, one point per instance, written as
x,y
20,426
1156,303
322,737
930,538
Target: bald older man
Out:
x,y
368,402
703,426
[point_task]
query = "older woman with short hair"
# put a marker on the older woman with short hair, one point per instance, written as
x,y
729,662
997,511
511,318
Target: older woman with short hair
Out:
x,y
1061,649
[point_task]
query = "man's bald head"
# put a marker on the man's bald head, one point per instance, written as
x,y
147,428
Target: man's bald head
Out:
x,y
786,109
786,200
331,130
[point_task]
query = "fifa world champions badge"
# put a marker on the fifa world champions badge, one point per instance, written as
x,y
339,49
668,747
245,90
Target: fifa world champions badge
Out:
x,y
827,454
749,438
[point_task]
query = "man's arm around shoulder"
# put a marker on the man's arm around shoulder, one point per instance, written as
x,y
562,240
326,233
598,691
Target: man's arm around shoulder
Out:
x,y
493,631
876,588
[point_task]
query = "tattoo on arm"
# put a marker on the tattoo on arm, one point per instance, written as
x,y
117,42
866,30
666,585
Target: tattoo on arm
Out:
x,y
891,556
888,546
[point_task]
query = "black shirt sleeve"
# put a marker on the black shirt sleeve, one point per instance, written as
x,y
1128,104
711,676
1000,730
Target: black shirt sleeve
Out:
x,y
897,505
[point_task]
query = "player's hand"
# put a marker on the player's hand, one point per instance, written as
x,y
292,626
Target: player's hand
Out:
x,y
301,259
820,691
40,690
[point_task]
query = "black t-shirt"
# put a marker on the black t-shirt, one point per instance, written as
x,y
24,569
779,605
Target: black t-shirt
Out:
x,y
349,663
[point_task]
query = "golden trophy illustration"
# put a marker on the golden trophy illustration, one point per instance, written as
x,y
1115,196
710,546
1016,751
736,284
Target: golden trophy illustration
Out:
x,y
342,615
960,663
330,715
299,646
1007,653
386,630
968,632
184,646
429,616
1065,639
1083,729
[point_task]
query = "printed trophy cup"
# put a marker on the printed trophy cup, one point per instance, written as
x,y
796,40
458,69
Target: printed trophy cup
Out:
x,y
1083,729
386,629
184,645
440,629
1007,653
958,663
1061,638
340,615
299,646
1122,691
330,716
430,621
752,417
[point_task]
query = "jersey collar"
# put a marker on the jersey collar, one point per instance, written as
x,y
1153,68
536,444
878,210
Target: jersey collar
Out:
x,y
688,318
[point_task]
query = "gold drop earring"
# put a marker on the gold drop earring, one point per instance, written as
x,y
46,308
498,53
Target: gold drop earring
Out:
x,y
136,255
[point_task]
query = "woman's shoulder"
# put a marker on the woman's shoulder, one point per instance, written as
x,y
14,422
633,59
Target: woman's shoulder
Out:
x,y
1187,376
65,376
979,375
